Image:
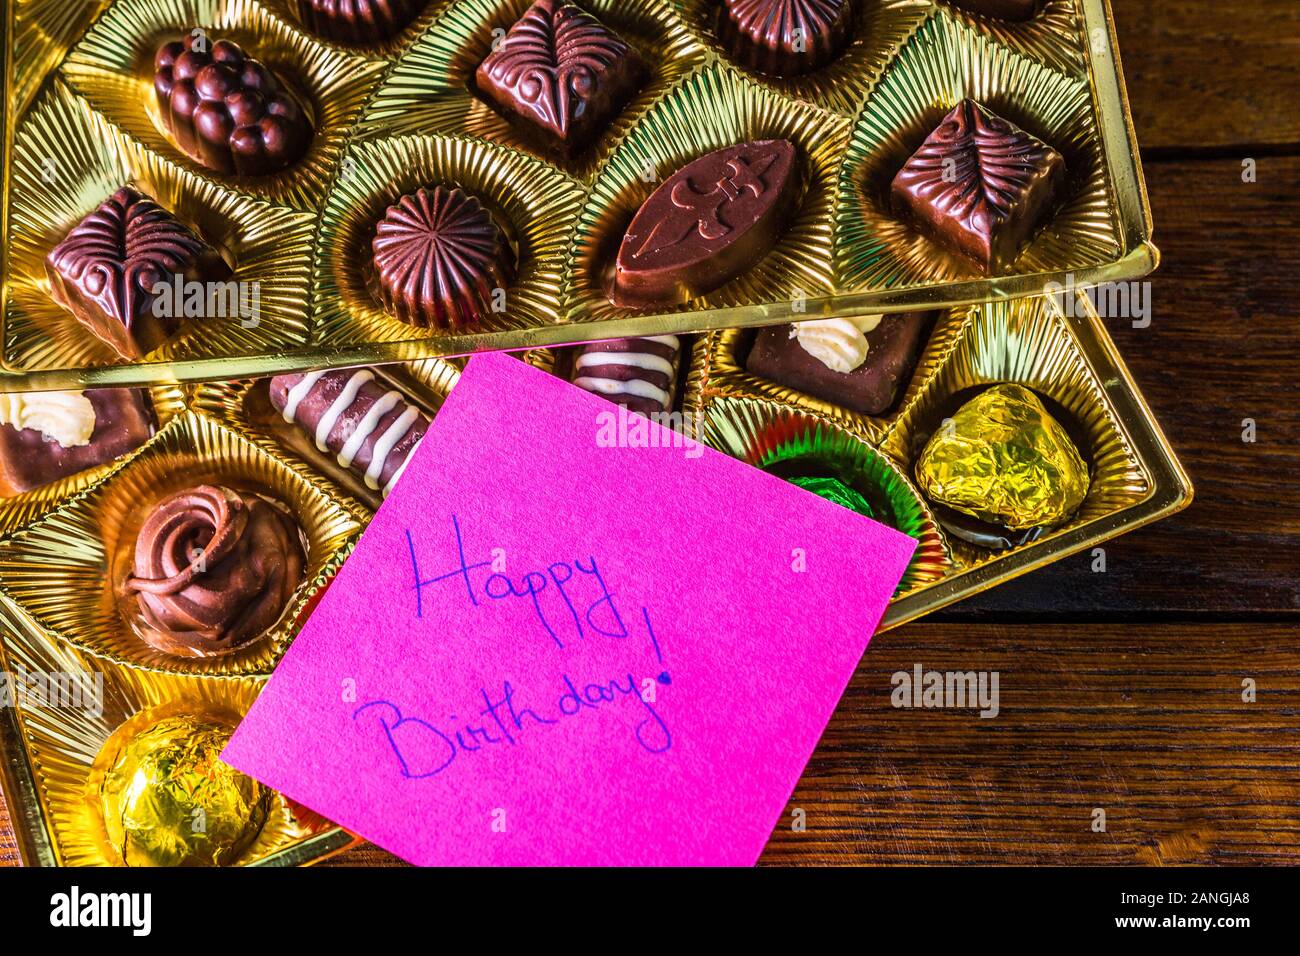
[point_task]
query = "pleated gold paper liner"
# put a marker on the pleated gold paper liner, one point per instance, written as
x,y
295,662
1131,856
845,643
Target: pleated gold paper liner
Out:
x,y
112,67
62,744
67,568
730,349
17,510
944,62
432,90
1028,342
532,202
879,28
44,31
66,162
384,50
1053,35
712,108
765,434
244,406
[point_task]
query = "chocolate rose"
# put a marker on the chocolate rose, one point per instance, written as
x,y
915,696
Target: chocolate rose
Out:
x,y
214,569
226,110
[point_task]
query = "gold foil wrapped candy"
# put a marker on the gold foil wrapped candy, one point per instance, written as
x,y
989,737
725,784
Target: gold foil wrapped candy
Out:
x,y
168,800
1003,459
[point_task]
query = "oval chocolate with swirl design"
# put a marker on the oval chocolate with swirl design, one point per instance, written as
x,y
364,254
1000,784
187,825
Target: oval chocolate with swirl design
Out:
x,y
706,224
213,569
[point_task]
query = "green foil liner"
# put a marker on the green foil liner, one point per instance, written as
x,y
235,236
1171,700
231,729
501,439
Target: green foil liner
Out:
x,y
772,436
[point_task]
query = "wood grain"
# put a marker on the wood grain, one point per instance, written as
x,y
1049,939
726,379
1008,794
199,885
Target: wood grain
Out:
x,y
1146,723
1204,74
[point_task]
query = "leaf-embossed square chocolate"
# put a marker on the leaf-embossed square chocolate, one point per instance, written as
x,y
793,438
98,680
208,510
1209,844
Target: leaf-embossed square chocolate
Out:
x,y
980,185
561,72
106,269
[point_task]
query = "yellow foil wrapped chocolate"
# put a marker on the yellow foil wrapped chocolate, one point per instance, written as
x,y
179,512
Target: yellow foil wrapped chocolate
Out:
x,y
1004,459
168,800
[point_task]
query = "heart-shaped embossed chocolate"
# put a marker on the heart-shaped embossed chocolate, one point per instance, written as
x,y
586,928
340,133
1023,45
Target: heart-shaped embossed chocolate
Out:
x,y
106,269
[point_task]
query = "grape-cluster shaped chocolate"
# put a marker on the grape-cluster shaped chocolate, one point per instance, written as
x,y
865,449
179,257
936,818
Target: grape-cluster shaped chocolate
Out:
x,y
226,110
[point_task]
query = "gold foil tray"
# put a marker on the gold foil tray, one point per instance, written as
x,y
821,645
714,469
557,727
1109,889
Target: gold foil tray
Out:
x,y
229,429
51,750
406,113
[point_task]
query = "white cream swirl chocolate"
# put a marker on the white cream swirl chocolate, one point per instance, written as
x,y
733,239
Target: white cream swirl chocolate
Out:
x,y
839,344
64,417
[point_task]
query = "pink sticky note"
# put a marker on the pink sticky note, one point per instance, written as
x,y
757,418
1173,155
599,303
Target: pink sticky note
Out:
x,y
613,655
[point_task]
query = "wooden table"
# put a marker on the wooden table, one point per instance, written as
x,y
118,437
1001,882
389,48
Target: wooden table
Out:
x,y
1122,691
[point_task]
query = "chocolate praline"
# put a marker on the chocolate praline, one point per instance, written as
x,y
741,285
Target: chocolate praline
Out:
x,y
438,258
784,37
105,271
358,22
638,373
368,428
226,110
166,799
561,74
45,436
214,568
871,367
706,224
1002,470
980,185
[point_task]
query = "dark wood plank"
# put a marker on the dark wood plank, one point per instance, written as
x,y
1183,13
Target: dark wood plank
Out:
x,y
1223,346
1208,74
1146,723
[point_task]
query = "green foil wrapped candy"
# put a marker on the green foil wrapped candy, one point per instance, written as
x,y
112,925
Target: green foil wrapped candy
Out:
x,y
1005,460
168,800
832,489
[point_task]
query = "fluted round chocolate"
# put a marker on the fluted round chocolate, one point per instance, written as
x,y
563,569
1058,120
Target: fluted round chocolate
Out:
x,y
213,570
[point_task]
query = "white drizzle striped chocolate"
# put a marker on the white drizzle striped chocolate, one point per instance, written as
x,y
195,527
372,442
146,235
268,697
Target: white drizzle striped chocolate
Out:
x,y
321,423
630,374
